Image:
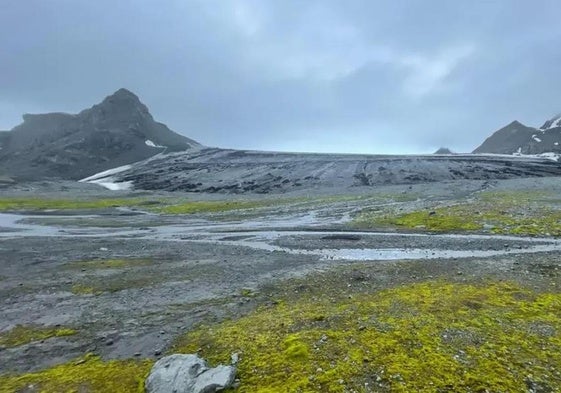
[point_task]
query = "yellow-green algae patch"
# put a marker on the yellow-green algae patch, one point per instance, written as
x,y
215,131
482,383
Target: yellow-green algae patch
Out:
x,y
427,337
114,263
20,334
87,375
519,213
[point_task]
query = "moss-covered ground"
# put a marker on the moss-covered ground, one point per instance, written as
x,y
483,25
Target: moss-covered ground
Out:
x,y
114,263
517,213
94,285
180,206
20,335
15,204
320,335
425,337
86,375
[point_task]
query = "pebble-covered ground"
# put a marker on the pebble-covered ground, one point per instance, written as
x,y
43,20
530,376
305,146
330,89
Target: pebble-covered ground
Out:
x,y
437,287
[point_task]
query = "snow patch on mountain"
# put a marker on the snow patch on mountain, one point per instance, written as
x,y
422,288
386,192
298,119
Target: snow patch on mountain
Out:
x,y
148,142
552,123
106,173
549,155
107,179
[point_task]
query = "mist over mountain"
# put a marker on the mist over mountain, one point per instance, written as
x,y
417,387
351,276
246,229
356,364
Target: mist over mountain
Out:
x,y
120,130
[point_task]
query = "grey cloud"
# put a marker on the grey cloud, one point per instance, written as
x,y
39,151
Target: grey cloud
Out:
x,y
357,76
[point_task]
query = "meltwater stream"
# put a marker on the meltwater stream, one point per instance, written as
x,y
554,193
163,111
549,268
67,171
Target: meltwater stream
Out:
x,y
266,236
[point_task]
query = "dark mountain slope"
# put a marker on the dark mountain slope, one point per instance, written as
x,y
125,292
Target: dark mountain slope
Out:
x,y
118,131
518,138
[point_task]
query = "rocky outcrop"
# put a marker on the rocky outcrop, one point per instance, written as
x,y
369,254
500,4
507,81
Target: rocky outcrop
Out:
x,y
118,131
188,374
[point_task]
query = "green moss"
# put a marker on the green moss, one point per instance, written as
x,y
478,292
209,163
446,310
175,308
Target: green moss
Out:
x,y
449,220
12,204
117,263
94,285
295,348
20,335
518,213
210,206
80,289
190,207
87,375
246,292
427,337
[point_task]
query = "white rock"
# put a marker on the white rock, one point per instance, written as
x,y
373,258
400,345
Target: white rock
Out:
x,y
188,374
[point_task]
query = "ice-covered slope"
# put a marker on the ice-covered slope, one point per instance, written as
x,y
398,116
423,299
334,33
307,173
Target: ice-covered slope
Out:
x,y
238,171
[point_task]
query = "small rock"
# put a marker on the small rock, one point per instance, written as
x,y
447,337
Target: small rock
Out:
x,y
157,352
235,359
137,354
109,342
188,373
103,249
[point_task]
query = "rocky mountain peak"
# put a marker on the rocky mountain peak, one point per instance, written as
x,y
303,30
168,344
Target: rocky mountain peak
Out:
x,y
443,150
552,123
515,123
121,103
119,130
124,93
517,138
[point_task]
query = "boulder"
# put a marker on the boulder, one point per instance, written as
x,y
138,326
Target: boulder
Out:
x,y
188,374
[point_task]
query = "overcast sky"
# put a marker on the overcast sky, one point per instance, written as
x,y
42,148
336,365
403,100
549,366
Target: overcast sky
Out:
x,y
303,75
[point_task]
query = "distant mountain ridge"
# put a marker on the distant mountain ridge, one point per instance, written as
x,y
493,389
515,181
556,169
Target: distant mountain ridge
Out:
x,y
120,130
443,150
517,138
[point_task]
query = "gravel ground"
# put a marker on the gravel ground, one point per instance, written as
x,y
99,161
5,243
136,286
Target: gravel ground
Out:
x,y
208,267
